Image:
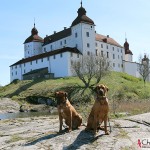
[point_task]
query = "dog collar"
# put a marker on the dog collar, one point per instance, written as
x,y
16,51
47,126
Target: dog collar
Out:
x,y
101,98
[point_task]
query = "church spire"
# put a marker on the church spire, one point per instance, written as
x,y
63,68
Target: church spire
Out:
x,y
34,31
81,3
34,22
125,37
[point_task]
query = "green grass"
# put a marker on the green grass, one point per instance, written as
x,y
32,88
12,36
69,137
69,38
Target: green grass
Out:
x,y
123,89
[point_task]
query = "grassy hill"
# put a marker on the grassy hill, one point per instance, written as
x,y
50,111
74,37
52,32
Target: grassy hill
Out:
x,y
126,93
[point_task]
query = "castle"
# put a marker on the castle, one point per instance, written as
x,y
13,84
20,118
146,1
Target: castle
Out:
x,y
51,57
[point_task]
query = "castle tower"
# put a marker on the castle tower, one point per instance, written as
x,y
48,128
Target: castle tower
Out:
x,y
83,32
128,52
33,44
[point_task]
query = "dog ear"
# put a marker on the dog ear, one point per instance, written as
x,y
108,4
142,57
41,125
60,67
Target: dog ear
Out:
x,y
66,94
106,88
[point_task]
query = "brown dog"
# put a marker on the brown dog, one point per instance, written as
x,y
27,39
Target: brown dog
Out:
x,y
99,112
67,112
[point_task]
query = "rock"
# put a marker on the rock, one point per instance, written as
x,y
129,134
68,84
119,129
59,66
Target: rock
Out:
x,y
8,106
42,133
24,108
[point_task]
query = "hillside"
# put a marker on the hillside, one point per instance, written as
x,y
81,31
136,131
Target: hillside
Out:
x,y
126,93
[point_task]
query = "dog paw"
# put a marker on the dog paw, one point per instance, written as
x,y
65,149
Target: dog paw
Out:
x,y
107,133
69,130
60,131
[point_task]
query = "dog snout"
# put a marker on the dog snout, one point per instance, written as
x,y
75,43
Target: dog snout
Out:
x,y
101,92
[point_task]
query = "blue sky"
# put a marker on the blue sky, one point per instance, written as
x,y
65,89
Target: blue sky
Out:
x,y
112,17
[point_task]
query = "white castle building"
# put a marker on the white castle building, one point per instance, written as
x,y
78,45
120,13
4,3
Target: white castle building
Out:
x,y
51,56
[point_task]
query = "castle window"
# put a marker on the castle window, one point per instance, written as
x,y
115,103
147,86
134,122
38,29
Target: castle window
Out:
x,y
12,73
61,55
24,64
54,57
102,53
44,49
77,55
88,53
121,50
76,34
88,45
16,72
76,45
96,44
51,47
42,60
36,61
118,57
16,66
87,34
107,46
107,54
48,58
101,45
60,42
113,56
113,48
71,54
24,71
28,52
65,42
96,51
31,63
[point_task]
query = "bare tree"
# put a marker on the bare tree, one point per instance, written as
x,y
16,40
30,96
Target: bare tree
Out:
x,y
144,68
90,68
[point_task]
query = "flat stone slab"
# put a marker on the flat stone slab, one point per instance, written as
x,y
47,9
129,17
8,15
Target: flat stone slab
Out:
x,y
41,133
8,106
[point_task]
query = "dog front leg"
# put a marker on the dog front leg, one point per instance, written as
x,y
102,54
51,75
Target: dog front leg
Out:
x,y
105,125
95,124
70,122
60,122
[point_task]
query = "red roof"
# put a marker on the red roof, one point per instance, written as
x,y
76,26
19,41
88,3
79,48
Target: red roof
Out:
x,y
34,38
43,55
107,39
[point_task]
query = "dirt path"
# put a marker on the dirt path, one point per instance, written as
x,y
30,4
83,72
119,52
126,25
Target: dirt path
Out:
x,y
40,133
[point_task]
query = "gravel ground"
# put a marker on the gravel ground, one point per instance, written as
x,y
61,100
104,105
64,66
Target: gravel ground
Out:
x,y
41,133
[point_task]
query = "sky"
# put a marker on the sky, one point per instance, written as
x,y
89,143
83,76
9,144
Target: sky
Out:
x,y
115,18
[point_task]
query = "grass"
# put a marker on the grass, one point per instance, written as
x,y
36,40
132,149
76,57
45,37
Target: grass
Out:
x,y
15,138
126,92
